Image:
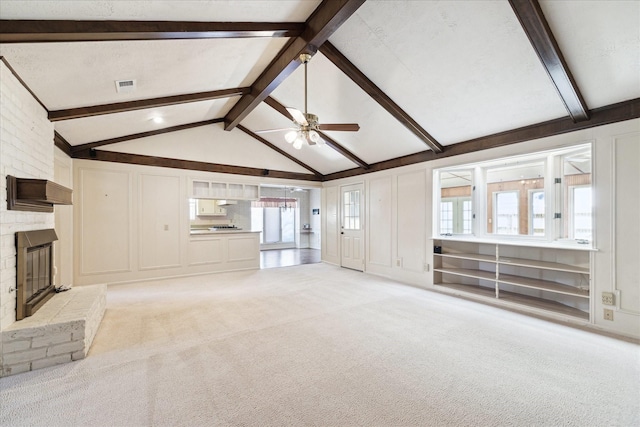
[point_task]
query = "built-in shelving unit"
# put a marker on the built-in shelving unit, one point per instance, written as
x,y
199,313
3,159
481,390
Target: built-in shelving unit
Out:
x,y
201,189
544,279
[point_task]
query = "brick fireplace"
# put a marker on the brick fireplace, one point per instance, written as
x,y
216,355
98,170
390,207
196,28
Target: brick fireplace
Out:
x,y
34,268
51,328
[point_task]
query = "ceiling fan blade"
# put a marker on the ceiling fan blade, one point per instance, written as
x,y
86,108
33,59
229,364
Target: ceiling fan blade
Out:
x,y
345,127
298,117
274,130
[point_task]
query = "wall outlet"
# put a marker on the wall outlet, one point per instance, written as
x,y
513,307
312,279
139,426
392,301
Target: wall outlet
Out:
x,y
608,314
399,262
608,298
427,267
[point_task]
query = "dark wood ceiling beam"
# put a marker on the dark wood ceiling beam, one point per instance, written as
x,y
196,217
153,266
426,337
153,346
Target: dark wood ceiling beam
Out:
x,y
137,159
340,149
271,102
627,110
120,107
322,23
282,152
85,148
330,142
22,82
544,43
61,143
42,31
351,71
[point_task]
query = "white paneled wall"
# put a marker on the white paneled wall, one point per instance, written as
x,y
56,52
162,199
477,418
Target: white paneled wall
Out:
x,y
159,222
63,248
380,222
400,220
412,222
627,223
315,202
132,223
330,224
104,215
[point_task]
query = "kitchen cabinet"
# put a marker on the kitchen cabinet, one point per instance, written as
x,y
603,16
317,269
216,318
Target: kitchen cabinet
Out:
x,y
207,207
548,280
203,189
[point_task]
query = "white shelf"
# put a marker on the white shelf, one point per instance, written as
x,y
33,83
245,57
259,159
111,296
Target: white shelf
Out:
x,y
556,244
488,295
471,257
561,273
542,265
543,285
475,274
202,189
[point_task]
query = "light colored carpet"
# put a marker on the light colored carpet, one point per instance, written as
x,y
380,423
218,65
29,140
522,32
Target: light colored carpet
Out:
x,y
319,345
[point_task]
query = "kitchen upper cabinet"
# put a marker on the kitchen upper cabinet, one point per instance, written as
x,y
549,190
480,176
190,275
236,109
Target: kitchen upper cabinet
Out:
x,y
202,189
208,207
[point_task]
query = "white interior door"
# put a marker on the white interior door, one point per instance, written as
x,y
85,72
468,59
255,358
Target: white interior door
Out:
x,y
352,227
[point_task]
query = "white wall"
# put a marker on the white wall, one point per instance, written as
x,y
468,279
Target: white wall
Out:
x,y
398,233
315,220
63,248
132,223
26,151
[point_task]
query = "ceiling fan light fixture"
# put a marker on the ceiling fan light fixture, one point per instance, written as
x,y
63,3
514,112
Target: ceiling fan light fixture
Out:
x,y
314,137
291,136
306,125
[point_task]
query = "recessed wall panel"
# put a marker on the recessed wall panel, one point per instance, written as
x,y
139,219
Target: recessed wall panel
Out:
x,y
331,222
209,251
105,221
159,206
242,248
380,221
627,225
411,220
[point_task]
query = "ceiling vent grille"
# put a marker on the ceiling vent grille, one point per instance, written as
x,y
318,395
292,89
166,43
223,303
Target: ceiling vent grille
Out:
x,y
124,86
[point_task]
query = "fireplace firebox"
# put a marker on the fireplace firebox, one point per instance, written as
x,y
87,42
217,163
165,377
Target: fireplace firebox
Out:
x,y
34,265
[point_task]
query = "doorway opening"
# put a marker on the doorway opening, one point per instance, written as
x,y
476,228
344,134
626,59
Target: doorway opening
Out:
x,y
289,221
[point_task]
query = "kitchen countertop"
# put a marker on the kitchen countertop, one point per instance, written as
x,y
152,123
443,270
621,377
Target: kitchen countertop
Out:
x,y
228,231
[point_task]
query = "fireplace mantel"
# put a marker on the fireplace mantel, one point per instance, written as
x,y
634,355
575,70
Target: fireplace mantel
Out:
x,y
38,195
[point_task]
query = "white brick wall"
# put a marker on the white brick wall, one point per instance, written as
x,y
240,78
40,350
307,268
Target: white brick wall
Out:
x,y
26,151
60,332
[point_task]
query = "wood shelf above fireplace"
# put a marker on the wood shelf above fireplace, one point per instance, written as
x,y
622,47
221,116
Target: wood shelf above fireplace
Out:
x,y
38,195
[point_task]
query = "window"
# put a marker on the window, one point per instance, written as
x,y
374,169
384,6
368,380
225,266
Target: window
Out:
x,y
351,208
456,216
277,224
576,185
506,216
542,196
456,206
446,217
581,223
467,217
537,213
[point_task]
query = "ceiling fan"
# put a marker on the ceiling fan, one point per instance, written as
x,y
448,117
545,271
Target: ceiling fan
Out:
x,y
306,125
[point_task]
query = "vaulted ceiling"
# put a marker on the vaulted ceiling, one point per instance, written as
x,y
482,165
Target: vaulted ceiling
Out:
x,y
423,79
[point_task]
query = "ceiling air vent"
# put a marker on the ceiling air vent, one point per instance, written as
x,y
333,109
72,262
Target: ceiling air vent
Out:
x,y
123,86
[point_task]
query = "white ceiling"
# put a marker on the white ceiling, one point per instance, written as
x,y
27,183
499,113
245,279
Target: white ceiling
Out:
x,y
161,10
460,69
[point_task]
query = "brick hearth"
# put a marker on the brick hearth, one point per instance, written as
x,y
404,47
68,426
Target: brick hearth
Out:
x,y
61,331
